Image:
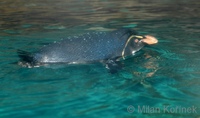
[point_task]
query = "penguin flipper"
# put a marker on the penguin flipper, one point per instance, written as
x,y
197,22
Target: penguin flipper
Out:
x,y
113,65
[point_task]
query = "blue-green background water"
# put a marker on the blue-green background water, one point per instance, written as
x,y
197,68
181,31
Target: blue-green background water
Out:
x,y
166,74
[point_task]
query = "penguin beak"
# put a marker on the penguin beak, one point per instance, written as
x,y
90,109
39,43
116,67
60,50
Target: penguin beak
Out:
x,y
150,40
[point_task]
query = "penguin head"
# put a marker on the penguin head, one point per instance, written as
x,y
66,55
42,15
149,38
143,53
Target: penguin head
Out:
x,y
135,43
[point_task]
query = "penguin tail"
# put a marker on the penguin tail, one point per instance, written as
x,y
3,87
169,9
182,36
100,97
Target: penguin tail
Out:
x,y
25,56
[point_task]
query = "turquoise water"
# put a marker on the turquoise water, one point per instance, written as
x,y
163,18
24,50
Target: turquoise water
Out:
x,y
161,81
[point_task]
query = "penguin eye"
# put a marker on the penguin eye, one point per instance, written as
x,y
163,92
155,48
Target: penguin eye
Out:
x,y
136,40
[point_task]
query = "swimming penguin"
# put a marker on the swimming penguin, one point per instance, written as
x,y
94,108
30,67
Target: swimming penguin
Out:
x,y
108,47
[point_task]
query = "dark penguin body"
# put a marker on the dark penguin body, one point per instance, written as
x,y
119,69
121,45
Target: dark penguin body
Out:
x,y
89,47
